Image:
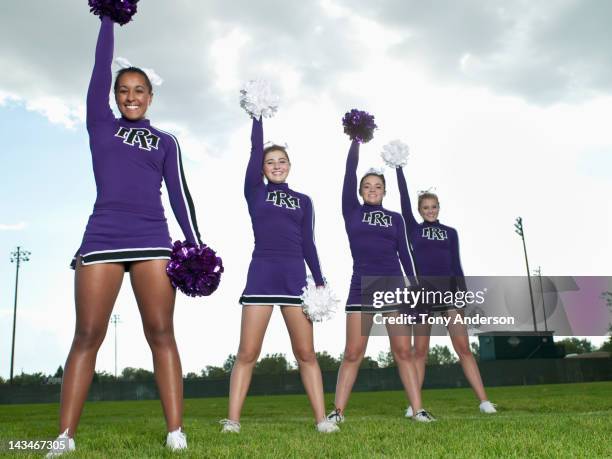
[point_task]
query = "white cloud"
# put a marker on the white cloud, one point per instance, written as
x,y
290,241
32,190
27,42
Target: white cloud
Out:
x,y
12,226
543,51
192,145
6,98
226,52
57,111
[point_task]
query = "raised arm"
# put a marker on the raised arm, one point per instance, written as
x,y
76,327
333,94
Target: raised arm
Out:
x,y
350,200
180,199
254,175
456,261
98,108
308,243
403,251
405,199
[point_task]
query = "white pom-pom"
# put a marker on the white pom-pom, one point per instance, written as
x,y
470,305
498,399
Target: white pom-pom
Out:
x,y
395,154
319,303
257,99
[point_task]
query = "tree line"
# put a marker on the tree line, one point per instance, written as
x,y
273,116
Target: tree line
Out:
x,y
277,363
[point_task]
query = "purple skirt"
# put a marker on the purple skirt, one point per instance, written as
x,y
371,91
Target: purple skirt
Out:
x,y
362,290
116,236
275,281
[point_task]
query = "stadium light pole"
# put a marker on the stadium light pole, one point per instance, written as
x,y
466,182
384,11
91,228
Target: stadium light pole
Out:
x,y
518,229
18,256
538,272
115,320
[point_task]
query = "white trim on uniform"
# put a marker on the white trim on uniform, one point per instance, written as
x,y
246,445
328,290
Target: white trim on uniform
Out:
x,y
118,260
313,236
124,250
272,296
185,201
409,251
270,304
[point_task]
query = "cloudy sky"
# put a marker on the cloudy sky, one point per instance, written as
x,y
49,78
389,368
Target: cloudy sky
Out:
x,y
505,106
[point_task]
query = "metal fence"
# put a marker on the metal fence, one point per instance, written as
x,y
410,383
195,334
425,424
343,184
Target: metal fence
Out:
x,y
494,373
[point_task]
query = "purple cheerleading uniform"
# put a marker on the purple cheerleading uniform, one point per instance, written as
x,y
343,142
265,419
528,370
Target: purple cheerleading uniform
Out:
x,y
435,247
283,226
378,242
130,159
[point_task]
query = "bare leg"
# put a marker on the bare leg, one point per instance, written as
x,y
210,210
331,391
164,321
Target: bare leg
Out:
x,y
356,343
300,332
459,338
155,297
253,328
399,337
96,289
421,350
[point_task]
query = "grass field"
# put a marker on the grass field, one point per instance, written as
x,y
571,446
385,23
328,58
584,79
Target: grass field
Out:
x,y
563,420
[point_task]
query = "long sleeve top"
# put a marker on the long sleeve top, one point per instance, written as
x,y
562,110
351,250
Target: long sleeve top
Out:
x,y
377,236
435,246
282,218
130,158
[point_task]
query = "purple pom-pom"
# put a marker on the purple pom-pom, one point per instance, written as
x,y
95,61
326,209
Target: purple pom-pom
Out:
x,y
119,11
194,270
359,125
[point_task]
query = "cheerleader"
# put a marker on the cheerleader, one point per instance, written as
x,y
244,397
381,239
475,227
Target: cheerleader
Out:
x,y
283,225
378,244
436,253
127,231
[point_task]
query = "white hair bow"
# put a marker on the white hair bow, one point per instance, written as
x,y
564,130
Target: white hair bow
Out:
x,y
431,189
375,171
155,79
269,143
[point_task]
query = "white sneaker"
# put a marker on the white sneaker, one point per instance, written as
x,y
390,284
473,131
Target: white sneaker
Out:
x,y
327,426
487,407
230,426
176,440
335,416
423,416
61,445
409,412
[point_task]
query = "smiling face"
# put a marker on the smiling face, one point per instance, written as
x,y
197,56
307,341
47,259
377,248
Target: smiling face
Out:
x,y
429,208
276,166
133,95
372,190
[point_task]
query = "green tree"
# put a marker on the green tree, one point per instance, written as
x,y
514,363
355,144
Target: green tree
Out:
x,y
575,345
607,345
385,359
103,376
327,362
191,376
475,348
137,374
213,372
368,362
607,297
272,364
229,363
440,355
59,373
25,379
